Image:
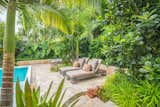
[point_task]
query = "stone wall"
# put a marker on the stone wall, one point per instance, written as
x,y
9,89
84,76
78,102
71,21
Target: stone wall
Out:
x,y
32,62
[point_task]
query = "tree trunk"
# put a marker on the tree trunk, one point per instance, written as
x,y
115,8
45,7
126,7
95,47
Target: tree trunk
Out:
x,y
6,99
77,49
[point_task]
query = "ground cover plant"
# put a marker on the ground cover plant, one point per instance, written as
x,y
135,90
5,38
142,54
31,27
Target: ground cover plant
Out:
x,y
128,93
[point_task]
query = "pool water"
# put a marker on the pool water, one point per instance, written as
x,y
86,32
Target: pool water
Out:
x,y
19,73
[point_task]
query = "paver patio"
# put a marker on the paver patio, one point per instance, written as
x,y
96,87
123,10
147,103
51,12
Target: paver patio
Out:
x,y
43,76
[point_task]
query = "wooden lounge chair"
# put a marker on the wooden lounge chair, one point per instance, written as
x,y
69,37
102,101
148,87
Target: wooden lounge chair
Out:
x,y
77,75
81,61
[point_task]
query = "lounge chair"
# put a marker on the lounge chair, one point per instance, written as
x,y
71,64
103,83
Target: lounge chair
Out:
x,y
81,61
77,75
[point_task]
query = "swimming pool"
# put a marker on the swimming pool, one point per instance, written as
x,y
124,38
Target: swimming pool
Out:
x,y
21,73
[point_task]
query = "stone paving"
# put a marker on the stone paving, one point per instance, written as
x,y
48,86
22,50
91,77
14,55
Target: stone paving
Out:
x,y
43,76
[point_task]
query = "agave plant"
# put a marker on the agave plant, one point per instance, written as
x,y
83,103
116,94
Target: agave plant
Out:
x,y
33,98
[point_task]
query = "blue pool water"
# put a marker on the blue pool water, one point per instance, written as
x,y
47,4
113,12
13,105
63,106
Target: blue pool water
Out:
x,y
19,73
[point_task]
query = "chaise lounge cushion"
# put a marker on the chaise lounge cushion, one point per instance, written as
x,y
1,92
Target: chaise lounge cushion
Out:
x,y
63,70
79,74
69,68
94,63
76,64
81,61
87,67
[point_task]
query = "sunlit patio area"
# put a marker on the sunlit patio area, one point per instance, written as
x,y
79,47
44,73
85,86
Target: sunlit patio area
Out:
x,y
42,76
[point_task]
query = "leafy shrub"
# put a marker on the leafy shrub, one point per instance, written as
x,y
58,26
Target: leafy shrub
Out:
x,y
148,94
125,92
131,32
118,89
150,70
95,47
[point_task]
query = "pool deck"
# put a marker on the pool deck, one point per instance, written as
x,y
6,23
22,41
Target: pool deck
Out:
x,y
42,76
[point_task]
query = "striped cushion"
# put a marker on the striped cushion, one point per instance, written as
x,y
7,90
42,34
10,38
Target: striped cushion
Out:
x,y
81,62
93,63
69,68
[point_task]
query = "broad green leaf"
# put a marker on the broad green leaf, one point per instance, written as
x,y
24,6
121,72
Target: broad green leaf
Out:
x,y
28,95
58,93
19,99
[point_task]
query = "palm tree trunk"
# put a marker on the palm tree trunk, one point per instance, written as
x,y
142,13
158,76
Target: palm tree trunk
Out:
x,y
6,99
77,49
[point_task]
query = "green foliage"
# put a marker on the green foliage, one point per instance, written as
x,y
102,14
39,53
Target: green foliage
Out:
x,y
120,90
95,47
2,25
33,98
149,94
130,29
65,49
150,70
128,93
37,42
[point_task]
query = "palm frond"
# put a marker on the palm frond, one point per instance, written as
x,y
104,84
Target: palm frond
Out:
x,y
47,12
92,3
26,18
3,3
52,16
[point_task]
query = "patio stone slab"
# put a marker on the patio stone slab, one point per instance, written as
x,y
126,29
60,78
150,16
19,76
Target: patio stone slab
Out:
x,y
96,102
42,75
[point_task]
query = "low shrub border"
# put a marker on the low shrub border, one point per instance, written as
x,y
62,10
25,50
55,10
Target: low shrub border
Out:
x,y
126,92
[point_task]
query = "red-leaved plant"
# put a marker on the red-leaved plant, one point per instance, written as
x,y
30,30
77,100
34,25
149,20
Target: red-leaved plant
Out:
x,y
93,92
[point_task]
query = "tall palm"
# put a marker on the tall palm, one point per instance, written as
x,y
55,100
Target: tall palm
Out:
x,y
83,23
53,17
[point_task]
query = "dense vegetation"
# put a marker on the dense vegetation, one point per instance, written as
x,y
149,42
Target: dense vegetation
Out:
x,y
125,34
34,41
131,40
130,32
127,93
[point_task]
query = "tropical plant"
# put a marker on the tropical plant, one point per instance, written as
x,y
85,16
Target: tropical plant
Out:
x,y
130,33
131,29
124,91
83,24
120,90
96,46
150,69
33,98
148,94
2,25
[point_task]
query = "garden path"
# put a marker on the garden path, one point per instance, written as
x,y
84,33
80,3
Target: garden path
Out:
x,y
43,76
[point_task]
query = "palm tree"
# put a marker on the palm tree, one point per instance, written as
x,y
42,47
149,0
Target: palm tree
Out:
x,y
8,56
54,18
